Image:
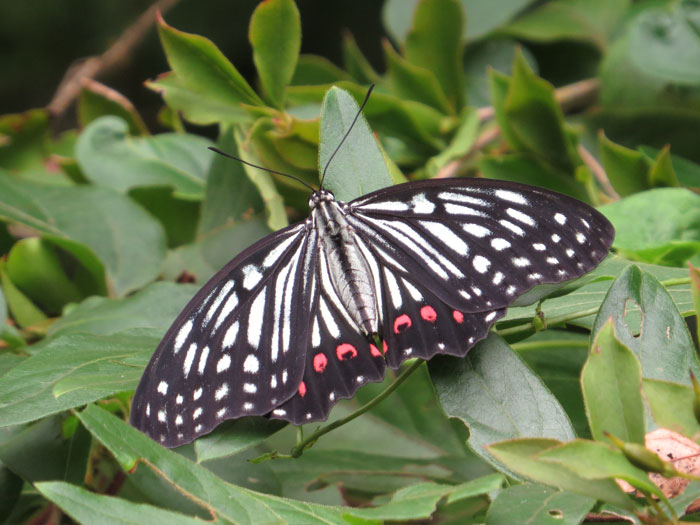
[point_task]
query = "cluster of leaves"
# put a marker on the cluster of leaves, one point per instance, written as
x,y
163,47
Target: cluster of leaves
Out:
x,y
104,228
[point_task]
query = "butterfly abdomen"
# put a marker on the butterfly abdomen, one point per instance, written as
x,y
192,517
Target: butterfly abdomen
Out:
x,y
348,270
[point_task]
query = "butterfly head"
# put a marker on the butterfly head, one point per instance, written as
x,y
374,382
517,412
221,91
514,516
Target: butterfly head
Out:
x,y
320,196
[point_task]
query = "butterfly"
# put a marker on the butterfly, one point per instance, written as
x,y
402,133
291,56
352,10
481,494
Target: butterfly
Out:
x,y
309,314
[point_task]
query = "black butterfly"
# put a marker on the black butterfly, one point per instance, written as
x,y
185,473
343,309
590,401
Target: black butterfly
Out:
x,y
306,316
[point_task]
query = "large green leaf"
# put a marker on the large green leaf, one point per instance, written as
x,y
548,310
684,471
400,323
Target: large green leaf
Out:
x,y
533,503
497,396
611,381
358,166
660,226
128,241
660,395
275,34
659,338
204,85
73,370
110,157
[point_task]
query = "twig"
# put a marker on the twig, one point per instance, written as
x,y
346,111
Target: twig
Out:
x,y
119,52
598,171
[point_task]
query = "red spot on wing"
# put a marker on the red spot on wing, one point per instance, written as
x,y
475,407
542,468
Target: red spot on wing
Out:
x,y
345,351
374,351
320,362
428,313
302,389
402,323
459,316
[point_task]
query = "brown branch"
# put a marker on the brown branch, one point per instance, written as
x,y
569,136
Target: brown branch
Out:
x,y
117,54
598,171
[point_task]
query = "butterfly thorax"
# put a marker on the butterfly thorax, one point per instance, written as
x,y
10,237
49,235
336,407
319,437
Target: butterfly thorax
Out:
x,y
348,270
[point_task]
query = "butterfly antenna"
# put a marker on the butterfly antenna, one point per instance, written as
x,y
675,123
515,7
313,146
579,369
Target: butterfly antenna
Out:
x,y
216,150
364,103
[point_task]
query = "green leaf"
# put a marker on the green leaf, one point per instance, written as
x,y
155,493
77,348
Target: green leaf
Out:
x,y
531,118
275,34
314,69
460,145
473,389
611,381
128,241
593,460
412,82
687,172
660,326
435,43
626,168
661,396
109,157
588,20
356,63
522,456
97,100
23,310
230,195
234,436
533,503
3,307
87,507
224,501
660,226
202,259
153,307
82,367
204,85
661,172
179,217
358,166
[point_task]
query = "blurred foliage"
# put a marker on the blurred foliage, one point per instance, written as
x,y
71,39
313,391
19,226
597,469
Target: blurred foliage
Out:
x,y
111,212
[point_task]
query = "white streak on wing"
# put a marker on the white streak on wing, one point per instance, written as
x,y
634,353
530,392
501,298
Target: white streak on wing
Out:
x,y
476,230
328,320
316,334
459,197
390,260
206,301
520,216
197,394
255,318
203,360
288,296
280,283
512,227
251,276
197,412
521,262
394,290
539,246
277,252
229,305
219,298
189,358
181,336
412,290
221,392
386,206
447,236
585,223
458,209
230,336
421,204
511,196
223,364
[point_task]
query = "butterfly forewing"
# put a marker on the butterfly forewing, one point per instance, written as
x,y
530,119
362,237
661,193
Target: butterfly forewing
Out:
x,y
270,334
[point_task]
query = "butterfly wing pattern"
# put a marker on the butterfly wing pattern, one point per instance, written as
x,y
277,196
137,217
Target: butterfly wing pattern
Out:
x,y
272,333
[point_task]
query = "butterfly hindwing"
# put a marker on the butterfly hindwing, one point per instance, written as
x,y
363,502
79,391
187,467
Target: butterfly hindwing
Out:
x,y
233,350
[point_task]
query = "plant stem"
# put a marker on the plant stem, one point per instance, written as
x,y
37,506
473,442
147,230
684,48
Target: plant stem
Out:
x,y
310,440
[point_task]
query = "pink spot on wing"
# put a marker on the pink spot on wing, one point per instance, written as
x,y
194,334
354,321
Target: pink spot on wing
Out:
x,y
458,316
374,351
302,389
428,313
402,323
320,362
345,351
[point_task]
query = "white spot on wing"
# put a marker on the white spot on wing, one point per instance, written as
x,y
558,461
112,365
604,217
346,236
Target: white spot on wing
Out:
x,y
476,230
521,217
162,416
248,406
498,278
251,276
179,399
581,238
552,260
490,317
249,388
163,387
458,209
197,412
481,264
251,364
560,218
570,252
279,412
556,237
521,262
220,413
459,197
539,246
512,227
178,420
197,394
447,236
221,392
421,204
394,290
499,244
230,336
